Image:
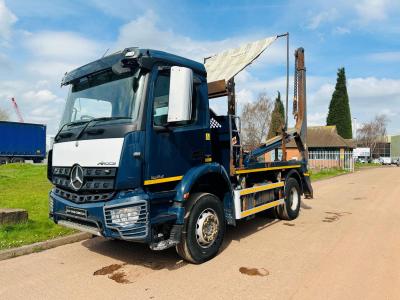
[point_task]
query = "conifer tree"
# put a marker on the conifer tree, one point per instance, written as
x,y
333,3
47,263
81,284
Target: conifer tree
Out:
x,y
277,118
339,108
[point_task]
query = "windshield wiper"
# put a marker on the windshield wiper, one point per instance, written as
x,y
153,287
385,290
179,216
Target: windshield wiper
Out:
x,y
98,120
75,123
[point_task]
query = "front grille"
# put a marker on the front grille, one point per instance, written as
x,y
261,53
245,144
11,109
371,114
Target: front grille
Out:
x,y
139,230
83,198
96,180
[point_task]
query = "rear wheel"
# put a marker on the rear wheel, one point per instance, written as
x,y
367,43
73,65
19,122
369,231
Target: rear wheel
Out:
x,y
204,229
289,210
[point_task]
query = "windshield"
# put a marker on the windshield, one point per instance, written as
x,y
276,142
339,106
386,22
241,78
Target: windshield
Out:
x,y
104,95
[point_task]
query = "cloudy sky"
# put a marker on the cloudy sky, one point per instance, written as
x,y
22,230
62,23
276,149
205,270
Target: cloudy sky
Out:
x,y
41,40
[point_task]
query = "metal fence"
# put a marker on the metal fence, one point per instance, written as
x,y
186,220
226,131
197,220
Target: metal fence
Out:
x,y
318,160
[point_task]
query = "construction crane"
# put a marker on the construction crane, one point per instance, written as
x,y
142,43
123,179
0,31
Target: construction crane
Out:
x,y
17,111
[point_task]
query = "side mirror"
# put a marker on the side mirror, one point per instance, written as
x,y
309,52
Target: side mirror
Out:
x,y
180,95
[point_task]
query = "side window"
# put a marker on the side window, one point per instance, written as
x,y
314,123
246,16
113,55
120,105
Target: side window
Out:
x,y
161,99
161,94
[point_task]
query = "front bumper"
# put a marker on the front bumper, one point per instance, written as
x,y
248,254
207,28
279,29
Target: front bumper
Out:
x,y
95,217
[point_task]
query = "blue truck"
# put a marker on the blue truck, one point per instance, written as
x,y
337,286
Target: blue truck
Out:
x,y
140,155
22,141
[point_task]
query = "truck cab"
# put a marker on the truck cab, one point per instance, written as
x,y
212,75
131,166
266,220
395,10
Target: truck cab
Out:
x,y
141,157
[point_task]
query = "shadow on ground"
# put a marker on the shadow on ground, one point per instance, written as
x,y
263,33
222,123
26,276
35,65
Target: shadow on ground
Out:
x,y
141,255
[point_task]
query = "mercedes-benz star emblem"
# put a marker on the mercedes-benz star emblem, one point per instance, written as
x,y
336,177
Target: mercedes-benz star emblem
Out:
x,y
76,177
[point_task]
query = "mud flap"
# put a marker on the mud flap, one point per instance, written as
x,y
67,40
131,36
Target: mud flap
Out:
x,y
307,188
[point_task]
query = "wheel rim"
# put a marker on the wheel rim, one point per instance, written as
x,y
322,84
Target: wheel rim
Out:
x,y
207,228
294,198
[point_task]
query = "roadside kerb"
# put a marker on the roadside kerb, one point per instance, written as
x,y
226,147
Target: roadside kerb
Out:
x,y
36,247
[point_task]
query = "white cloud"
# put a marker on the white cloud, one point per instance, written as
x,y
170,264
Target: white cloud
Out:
x,y
393,56
322,17
62,46
246,81
339,30
316,119
53,53
8,89
41,96
368,96
54,70
43,111
321,95
38,106
7,20
4,61
245,95
372,10
344,17
151,35
118,8
381,89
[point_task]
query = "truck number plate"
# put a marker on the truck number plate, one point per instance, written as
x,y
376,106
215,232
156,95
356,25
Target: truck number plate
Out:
x,y
76,211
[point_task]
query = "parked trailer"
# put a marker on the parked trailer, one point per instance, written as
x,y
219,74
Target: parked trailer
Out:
x,y
141,157
22,141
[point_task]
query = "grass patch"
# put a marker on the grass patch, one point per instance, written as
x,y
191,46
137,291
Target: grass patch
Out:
x,y
366,165
26,186
328,173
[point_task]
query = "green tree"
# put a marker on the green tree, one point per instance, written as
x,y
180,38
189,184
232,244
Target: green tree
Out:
x,y
339,108
4,115
277,118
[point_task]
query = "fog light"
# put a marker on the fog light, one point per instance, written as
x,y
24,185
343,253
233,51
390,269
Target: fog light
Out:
x,y
125,216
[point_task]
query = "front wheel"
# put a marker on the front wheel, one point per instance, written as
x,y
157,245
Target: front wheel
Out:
x,y
204,229
4,160
290,209
18,160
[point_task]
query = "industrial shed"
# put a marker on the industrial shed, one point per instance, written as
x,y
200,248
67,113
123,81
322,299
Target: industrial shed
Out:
x,y
327,149
395,147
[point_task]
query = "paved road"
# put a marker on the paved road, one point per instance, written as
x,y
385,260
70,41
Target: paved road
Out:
x,y
344,245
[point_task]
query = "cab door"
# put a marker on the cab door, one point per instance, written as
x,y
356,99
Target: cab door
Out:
x,y
172,149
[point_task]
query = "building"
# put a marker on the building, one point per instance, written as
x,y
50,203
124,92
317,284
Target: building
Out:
x,y
395,147
382,149
327,149
322,138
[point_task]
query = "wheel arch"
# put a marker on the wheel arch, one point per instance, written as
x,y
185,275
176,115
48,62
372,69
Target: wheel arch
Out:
x,y
296,175
208,178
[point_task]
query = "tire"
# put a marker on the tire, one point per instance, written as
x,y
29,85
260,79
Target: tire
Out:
x,y
290,209
17,160
206,212
4,160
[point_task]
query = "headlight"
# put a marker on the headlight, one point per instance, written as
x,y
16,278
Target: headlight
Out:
x,y
125,216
